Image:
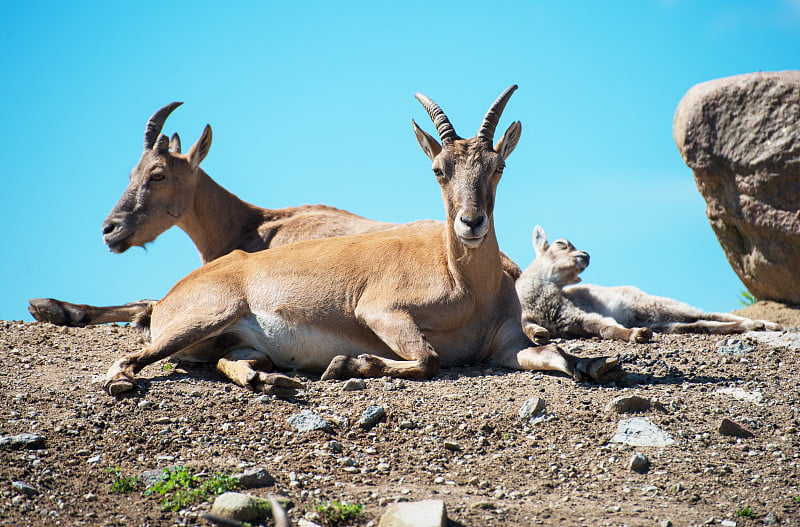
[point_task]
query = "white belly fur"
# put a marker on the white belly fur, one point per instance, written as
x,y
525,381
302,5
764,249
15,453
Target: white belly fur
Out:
x,y
293,347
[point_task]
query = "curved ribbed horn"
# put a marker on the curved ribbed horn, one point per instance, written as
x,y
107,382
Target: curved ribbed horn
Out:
x,y
156,123
493,115
440,120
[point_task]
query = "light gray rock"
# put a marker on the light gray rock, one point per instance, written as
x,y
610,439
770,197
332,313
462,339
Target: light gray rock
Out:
x,y
628,403
428,513
532,408
640,431
741,138
354,385
777,339
22,441
371,416
307,421
735,347
755,397
771,519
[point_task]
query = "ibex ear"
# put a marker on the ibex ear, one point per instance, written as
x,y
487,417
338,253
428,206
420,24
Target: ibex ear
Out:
x,y
200,149
509,141
429,145
175,143
162,144
539,240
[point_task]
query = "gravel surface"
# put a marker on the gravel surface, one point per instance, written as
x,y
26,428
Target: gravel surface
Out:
x,y
460,437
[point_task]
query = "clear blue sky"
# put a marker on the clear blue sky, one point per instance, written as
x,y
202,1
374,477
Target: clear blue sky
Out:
x,y
311,102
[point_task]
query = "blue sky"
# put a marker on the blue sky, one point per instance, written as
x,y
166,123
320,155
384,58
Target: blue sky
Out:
x,y
311,102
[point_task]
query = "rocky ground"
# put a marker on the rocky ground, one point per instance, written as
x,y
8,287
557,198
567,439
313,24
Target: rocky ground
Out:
x,y
458,437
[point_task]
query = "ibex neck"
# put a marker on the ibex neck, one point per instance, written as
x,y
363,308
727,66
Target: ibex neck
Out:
x,y
481,268
217,219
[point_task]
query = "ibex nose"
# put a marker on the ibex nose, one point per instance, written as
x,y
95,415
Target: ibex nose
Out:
x,y
473,221
109,226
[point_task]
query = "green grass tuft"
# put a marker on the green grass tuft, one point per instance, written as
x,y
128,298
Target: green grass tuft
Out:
x,y
121,484
745,512
746,298
335,513
181,488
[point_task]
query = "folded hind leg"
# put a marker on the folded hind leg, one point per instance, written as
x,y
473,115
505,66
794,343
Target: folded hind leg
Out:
x,y
250,368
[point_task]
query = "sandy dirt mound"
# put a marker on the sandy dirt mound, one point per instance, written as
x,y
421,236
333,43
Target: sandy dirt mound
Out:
x,y
789,316
457,437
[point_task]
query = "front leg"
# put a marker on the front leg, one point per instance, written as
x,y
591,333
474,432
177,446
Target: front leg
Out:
x,y
595,325
250,368
539,335
400,333
175,325
513,350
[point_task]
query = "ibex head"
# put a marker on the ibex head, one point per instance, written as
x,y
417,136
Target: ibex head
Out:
x,y
161,187
468,170
559,262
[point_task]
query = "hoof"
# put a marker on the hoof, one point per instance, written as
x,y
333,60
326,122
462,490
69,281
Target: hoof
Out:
x,y
337,369
599,369
115,387
641,335
275,384
49,310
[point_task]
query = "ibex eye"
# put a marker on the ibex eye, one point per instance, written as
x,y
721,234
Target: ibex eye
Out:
x,y
157,176
438,172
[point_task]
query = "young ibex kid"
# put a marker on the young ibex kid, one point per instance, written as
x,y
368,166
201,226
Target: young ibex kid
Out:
x,y
552,306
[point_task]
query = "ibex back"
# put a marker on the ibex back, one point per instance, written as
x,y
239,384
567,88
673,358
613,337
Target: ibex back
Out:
x,y
401,302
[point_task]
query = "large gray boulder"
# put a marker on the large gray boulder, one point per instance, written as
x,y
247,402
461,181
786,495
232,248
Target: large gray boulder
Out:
x,y
741,138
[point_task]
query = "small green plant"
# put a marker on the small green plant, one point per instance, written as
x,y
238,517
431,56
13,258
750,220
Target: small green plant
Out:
x,y
167,366
121,484
181,488
746,298
336,512
746,512
797,499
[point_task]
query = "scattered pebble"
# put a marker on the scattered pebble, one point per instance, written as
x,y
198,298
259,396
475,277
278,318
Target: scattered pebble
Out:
x,y
24,488
354,385
371,416
640,431
627,404
307,421
531,408
255,478
639,463
452,446
22,441
734,429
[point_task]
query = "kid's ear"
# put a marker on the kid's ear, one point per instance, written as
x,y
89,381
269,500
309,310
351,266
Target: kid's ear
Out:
x,y
539,240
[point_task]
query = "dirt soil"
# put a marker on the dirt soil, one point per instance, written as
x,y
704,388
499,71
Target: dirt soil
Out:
x,y
457,437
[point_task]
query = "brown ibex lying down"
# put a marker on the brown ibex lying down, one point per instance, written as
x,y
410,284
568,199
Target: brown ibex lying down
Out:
x,y
402,302
169,188
552,305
